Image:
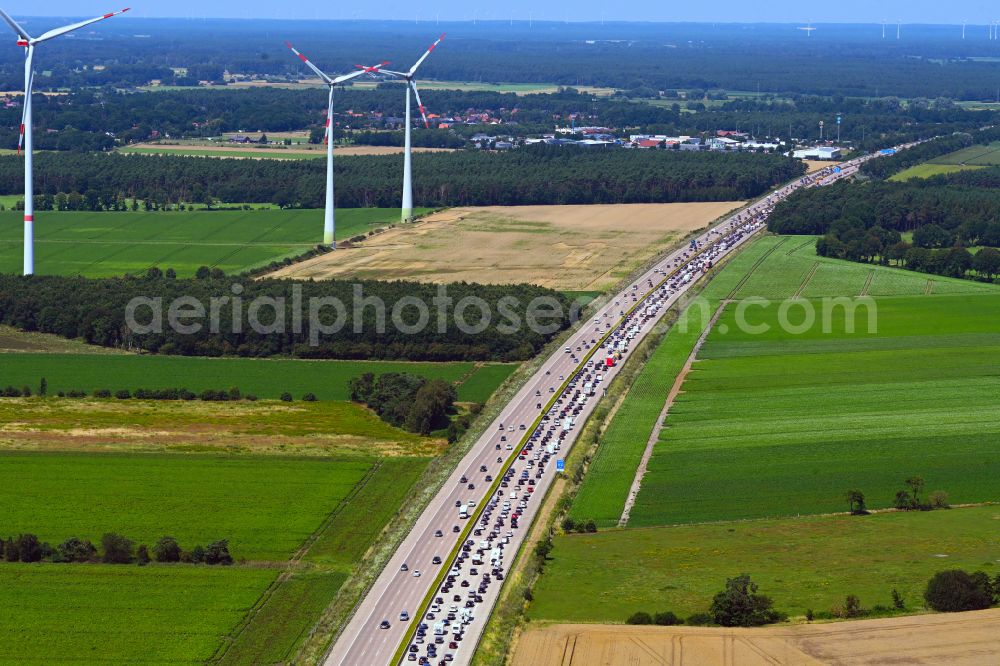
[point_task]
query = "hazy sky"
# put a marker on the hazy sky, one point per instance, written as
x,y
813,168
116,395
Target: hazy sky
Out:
x,y
783,11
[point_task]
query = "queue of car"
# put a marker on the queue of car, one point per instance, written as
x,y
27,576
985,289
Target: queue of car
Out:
x,y
482,559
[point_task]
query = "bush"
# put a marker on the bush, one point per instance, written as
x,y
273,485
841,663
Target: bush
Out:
x,y
286,397
217,552
852,606
699,620
117,549
77,550
142,555
197,555
897,600
309,397
123,394
26,548
956,590
810,616
102,393
739,605
166,549
667,619
639,618
939,499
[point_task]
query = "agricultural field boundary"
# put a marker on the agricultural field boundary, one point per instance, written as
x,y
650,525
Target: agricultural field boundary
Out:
x,y
753,269
654,436
294,563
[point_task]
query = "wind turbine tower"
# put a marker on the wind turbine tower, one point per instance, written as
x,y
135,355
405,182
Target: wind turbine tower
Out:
x,y
899,25
329,224
808,29
411,86
29,43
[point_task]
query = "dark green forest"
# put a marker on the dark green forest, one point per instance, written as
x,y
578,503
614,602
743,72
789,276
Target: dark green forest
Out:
x,y
838,59
536,175
95,310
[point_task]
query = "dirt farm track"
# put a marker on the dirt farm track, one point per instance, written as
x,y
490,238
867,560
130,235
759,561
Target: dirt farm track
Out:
x,y
953,639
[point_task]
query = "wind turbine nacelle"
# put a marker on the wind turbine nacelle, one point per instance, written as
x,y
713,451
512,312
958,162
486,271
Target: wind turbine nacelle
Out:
x,y
22,42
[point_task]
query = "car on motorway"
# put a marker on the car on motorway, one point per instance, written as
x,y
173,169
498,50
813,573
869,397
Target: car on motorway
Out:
x,y
404,567
384,624
438,533
436,559
416,573
404,616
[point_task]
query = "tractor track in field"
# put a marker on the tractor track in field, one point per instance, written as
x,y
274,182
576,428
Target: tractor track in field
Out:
x,y
753,269
806,280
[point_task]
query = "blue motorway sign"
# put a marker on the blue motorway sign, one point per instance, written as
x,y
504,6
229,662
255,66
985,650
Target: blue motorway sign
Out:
x,y
560,465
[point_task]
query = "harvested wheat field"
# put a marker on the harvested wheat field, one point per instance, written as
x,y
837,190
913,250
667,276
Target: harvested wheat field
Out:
x,y
956,639
573,248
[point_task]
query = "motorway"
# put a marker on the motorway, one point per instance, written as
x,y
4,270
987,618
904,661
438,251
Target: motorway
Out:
x,y
518,453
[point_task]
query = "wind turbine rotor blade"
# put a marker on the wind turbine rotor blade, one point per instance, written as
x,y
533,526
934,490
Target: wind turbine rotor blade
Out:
x,y
24,106
420,105
424,56
320,73
22,35
75,26
347,77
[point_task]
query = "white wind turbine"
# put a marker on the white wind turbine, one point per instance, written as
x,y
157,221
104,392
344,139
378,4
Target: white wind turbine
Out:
x,y
407,213
328,221
29,43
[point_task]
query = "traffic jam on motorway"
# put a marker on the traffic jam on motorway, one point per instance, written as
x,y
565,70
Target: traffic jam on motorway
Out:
x,y
476,574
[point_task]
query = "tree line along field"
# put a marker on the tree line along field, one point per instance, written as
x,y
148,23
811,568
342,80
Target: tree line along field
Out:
x,y
804,563
102,244
265,378
777,425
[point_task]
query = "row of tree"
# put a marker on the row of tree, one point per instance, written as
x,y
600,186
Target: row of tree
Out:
x,y
741,605
405,400
362,328
535,175
886,247
115,549
970,215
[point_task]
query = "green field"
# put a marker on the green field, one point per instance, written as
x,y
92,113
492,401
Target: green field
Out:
x,y
122,614
803,563
977,155
786,425
793,268
105,243
789,266
267,507
266,378
929,170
